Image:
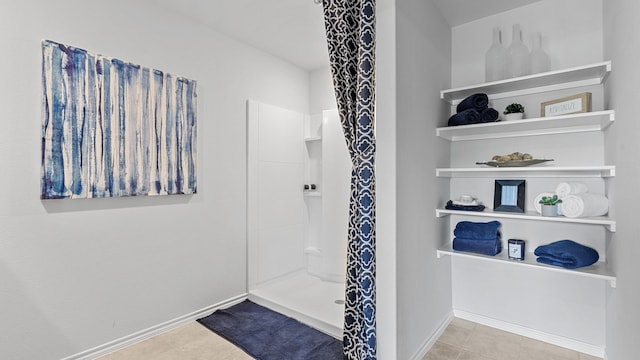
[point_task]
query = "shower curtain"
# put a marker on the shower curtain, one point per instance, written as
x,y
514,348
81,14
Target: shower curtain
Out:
x,y
350,27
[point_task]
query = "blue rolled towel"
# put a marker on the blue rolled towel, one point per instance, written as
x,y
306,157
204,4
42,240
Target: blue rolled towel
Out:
x,y
469,116
489,115
567,254
478,102
477,230
485,247
451,206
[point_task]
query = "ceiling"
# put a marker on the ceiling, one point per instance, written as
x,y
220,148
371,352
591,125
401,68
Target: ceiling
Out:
x,y
293,30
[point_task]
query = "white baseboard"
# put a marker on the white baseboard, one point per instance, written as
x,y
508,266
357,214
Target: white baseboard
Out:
x,y
142,335
428,344
561,341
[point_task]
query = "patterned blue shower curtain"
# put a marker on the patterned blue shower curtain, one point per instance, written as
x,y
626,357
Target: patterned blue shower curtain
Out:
x,y
350,27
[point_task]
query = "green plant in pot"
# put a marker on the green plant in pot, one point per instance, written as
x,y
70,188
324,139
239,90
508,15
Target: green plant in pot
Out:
x,y
514,111
549,205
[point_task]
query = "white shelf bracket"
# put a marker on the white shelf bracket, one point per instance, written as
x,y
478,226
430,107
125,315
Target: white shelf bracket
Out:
x,y
612,283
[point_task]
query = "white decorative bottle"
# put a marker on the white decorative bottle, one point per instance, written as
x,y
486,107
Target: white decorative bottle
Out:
x,y
495,60
518,63
539,59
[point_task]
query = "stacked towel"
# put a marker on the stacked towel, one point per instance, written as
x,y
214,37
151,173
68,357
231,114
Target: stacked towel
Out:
x,y
584,204
570,188
473,110
469,116
567,254
477,237
478,102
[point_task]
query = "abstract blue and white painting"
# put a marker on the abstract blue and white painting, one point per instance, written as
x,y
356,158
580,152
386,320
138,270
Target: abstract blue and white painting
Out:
x,y
112,128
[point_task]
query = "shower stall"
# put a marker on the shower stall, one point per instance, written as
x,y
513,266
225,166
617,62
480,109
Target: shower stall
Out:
x,y
298,178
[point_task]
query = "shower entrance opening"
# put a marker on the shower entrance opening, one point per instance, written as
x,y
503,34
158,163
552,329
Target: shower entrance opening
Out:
x,y
298,179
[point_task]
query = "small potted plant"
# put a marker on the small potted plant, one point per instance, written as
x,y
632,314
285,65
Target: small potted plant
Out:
x,y
549,205
514,111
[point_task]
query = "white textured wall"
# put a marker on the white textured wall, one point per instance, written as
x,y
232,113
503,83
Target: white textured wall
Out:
x,y
423,68
623,316
77,274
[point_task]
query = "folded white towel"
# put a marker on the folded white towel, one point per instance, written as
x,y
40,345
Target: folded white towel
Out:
x,y
585,204
571,187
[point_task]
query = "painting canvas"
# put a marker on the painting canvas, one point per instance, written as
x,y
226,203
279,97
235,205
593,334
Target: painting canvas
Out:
x,y
112,128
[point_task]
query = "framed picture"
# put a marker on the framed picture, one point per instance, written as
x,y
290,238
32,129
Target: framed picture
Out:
x,y
578,103
509,196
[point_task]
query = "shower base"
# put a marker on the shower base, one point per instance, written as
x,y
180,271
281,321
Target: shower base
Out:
x,y
307,299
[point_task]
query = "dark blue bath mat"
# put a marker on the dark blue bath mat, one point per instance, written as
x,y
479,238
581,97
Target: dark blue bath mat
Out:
x,y
268,335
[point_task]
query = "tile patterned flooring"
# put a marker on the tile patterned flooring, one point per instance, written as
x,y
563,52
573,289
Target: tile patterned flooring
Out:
x,y
462,340
187,342
465,340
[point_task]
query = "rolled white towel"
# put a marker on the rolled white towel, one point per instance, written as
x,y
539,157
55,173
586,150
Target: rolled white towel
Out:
x,y
571,187
584,205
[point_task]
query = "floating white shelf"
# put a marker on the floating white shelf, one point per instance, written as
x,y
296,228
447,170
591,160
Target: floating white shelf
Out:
x,y
531,171
312,193
593,74
574,123
312,138
599,270
532,215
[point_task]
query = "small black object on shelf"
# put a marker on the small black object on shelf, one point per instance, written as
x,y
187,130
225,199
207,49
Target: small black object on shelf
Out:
x,y
313,186
306,186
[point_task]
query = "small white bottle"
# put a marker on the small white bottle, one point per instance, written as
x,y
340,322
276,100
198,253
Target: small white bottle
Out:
x,y
495,60
539,59
518,63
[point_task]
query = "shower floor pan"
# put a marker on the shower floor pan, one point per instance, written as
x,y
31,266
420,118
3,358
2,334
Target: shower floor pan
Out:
x,y
307,299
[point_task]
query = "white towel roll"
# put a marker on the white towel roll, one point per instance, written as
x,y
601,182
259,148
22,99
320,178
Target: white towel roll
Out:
x,y
570,188
584,205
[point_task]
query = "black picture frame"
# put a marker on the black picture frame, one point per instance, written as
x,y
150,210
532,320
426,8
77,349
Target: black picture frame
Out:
x,y
508,196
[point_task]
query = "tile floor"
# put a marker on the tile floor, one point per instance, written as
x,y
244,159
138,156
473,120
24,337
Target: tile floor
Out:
x,y
465,340
462,340
188,342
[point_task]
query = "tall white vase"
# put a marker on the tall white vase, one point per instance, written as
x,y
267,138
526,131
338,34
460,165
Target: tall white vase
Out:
x,y
495,60
518,63
539,59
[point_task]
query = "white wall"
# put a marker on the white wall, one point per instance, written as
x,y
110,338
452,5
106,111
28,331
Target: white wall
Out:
x,y
336,191
571,35
275,178
623,316
76,274
423,68
386,249
321,94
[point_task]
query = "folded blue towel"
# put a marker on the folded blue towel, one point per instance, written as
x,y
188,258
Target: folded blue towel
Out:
x,y
477,230
451,206
485,247
478,102
489,115
469,116
567,254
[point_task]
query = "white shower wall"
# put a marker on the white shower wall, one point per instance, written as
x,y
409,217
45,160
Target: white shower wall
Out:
x,y
330,213
276,168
